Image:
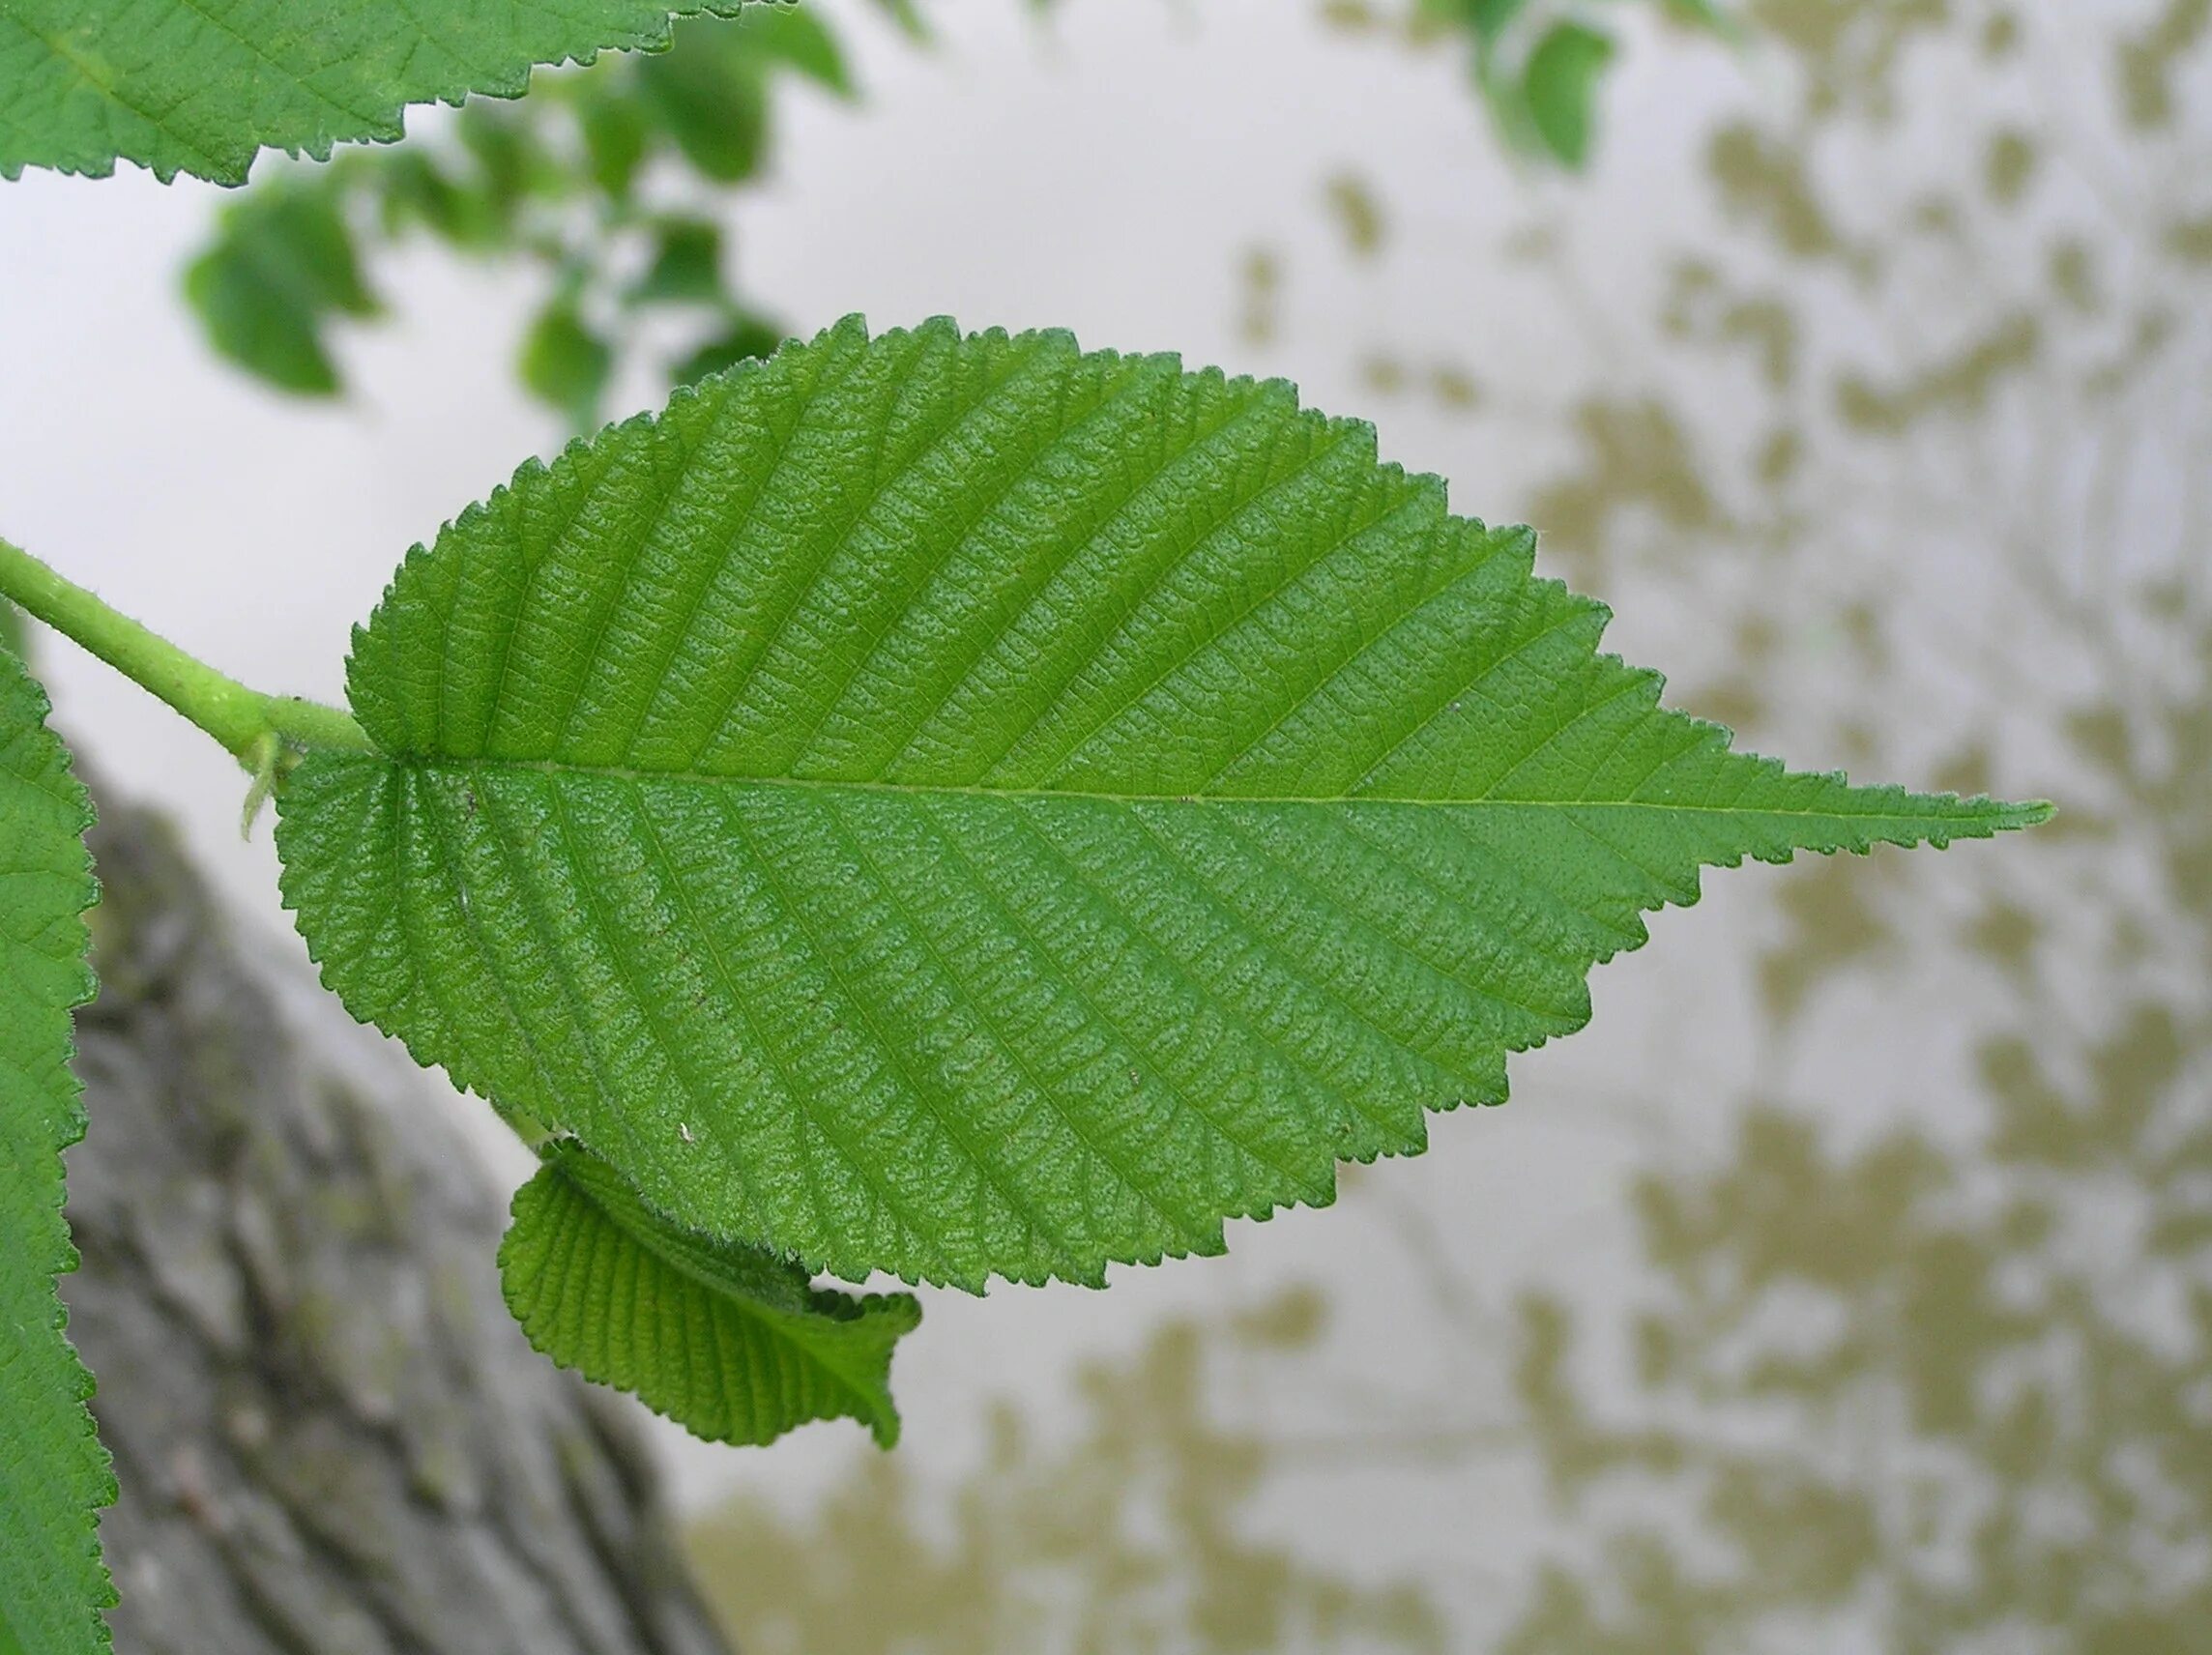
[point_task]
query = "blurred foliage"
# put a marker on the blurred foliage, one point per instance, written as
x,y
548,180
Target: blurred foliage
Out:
x,y
1126,1535
608,180
286,262
1963,1392
611,181
1536,65
1895,1386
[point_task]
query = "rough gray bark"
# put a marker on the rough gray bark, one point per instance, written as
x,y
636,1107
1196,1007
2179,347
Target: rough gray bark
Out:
x,y
330,1434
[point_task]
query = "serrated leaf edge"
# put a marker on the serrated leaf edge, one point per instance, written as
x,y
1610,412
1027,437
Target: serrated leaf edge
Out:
x,y
74,1125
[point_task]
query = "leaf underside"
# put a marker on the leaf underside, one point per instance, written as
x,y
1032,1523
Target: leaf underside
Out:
x,y
962,805
203,86
54,1474
729,1341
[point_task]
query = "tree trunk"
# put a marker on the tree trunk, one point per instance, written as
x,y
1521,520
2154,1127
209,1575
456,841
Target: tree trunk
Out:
x,y
331,1440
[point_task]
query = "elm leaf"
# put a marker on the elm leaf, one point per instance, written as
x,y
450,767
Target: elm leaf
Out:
x,y
203,86
729,1341
54,1476
961,805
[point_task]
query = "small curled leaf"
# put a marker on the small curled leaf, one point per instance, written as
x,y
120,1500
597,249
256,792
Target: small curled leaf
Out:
x,y
728,1341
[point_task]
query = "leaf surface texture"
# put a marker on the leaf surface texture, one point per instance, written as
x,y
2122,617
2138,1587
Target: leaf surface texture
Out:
x,y
960,804
202,86
729,1341
54,1474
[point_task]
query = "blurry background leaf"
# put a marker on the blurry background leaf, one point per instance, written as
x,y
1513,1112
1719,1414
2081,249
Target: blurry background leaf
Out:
x,y
617,138
418,193
1703,14
1488,18
514,157
1538,64
713,105
908,16
711,92
1560,85
285,260
748,336
796,36
553,181
564,363
687,263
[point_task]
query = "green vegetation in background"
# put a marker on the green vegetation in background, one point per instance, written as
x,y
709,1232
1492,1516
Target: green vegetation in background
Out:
x,y
558,181
1536,65
2016,1376
54,1474
1132,1530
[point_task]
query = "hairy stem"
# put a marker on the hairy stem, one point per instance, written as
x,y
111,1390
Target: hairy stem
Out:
x,y
243,720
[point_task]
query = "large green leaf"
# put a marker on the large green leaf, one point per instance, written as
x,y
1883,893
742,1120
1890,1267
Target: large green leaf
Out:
x,y
53,1472
203,86
955,805
729,1341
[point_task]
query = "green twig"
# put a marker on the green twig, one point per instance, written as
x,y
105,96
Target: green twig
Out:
x,y
248,725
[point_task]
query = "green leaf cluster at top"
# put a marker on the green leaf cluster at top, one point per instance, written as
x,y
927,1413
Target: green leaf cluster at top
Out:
x,y
203,86
551,182
54,1474
961,805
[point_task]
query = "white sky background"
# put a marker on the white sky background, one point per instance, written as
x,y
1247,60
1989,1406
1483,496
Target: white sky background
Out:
x,y
1107,173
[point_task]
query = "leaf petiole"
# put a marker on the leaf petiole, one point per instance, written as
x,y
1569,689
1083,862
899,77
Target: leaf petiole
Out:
x,y
252,726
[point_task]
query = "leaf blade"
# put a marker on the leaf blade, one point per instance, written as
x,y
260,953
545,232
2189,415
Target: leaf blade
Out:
x,y
730,1341
54,1474
202,88
1021,808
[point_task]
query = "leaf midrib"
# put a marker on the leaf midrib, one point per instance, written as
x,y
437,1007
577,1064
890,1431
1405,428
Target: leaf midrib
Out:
x,y
1977,812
